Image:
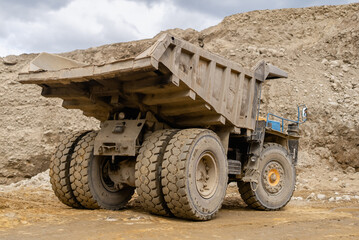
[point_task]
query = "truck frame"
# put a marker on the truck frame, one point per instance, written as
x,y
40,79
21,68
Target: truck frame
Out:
x,y
178,123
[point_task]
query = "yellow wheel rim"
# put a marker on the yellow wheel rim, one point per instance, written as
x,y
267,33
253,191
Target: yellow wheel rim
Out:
x,y
273,177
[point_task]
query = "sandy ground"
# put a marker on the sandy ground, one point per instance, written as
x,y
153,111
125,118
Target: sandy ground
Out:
x,y
35,213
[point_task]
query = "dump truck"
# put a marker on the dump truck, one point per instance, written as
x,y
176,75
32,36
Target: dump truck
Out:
x,y
178,123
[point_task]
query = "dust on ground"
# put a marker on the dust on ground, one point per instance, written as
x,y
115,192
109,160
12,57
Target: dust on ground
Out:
x,y
30,210
33,212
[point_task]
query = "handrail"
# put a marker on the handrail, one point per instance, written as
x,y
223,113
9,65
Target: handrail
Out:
x,y
302,116
282,118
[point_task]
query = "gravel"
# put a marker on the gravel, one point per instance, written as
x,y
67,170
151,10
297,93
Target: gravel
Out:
x,y
41,180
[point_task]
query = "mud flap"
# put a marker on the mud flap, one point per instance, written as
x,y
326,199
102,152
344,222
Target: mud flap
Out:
x,y
293,144
251,173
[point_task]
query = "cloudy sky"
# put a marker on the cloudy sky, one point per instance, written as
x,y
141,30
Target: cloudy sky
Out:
x,y
28,26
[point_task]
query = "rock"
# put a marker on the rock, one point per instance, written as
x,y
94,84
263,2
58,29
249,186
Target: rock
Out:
x,y
41,180
332,78
252,48
321,196
200,42
262,50
334,64
10,60
311,196
281,54
346,198
338,198
345,68
10,215
297,198
232,184
332,199
111,219
349,169
232,53
335,179
133,218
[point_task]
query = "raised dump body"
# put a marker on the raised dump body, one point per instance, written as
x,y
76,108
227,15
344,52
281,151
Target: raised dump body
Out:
x,y
180,83
177,124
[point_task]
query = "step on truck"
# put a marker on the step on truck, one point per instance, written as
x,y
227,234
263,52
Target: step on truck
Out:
x,y
178,123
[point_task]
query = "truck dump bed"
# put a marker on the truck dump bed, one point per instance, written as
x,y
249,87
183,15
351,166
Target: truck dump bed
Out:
x,y
179,83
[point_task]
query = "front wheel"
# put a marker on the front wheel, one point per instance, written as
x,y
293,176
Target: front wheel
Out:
x,y
276,183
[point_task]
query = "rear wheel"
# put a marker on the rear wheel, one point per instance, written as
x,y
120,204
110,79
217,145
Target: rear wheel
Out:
x,y
59,169
277,180
194,174
91,178
148,172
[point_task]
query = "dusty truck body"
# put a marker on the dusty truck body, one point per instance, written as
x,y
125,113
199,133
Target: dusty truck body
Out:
x,y
177,124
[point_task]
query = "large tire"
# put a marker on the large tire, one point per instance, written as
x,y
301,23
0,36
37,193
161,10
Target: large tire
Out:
x,y
277,180
148,172
59,170
194,174
88,182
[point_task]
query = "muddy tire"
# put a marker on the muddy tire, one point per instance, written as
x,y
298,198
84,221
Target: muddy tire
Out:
x,y
194,174
59,170
89,183
277,180
148,172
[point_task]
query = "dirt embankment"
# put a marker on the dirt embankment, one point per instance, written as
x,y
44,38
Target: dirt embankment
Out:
x,y
318,46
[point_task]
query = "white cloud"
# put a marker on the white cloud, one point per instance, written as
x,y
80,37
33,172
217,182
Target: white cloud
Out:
x,y
86,23
59,26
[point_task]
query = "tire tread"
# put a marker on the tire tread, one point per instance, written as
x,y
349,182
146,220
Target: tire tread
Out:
x,y
80,183
174,175
249,195
59,169
148,172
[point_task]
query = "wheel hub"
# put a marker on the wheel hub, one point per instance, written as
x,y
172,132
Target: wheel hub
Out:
x,y
206,175
105,173
116,176
273,177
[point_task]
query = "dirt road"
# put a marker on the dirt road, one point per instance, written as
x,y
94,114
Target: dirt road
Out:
x,y
37,214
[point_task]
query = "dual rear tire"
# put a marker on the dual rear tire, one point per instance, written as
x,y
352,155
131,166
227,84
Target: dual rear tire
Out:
x,y
89,179
182,173
194,174
178,173
79,178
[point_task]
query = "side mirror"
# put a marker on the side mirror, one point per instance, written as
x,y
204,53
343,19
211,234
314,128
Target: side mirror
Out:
x,y
302,113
